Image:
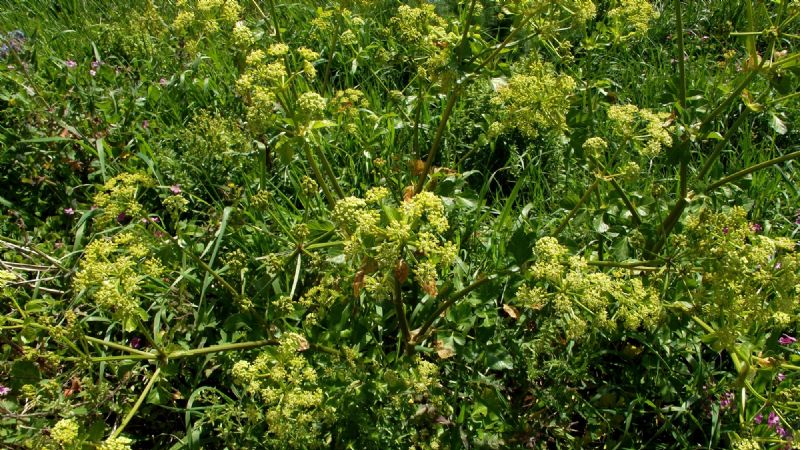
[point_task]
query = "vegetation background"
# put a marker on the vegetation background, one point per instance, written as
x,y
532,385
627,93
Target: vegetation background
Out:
x,y
399,224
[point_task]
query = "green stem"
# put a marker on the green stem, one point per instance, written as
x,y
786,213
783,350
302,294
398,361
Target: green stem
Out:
x,y
681,54
151,357
437,139
271,5
652,264
326,166
712,158
318,175
637,220
221,348
116,346
423,330
669,223
733,96
751,169
137,405
574,211
397,298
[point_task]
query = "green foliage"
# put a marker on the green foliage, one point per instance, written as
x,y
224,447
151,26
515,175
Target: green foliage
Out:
x,y
381,224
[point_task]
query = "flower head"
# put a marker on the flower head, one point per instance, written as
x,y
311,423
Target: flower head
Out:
x,y
70,64
92,72
4,390
175,189
773,420
69,211
780,377
758,418
163,82
756,227
787,340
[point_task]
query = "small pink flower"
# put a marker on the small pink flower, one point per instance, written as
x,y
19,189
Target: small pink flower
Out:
x,y
175,189
69,211
145,124
780,377
787,340
92,72
95,64
756,227
4,390
70,64
163,82
773,420
758,418
781,431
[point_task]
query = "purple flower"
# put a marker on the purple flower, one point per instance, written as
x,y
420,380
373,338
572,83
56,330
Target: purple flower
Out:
x,y
781,431
725,230
92,72
136,342
175,189
758,418
69,211
780,377
4,390
727,400
756,227
773,420
95,64
787,340
778,265
163,82
70,64
145,124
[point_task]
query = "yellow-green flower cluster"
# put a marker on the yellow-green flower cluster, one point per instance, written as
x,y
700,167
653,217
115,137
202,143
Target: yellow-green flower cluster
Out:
x,y
595,146
535,100
118,196
746,444
399,241
584,298
311,104
242,35
745,278
423,31
348,102
205,16
113,272
550,16
117,443
214,146
284,383
647,130
65,431
633,15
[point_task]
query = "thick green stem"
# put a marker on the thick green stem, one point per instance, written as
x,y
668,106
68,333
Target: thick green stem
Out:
x,y
437,139
644,265
574,211
137,405
681,54
400,310
221,348
751,169
712,158
419,335
669,223
326,166
451,101
121,347
318,175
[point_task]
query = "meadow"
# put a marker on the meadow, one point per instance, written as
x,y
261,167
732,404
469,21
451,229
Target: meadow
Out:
x,y
441,224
